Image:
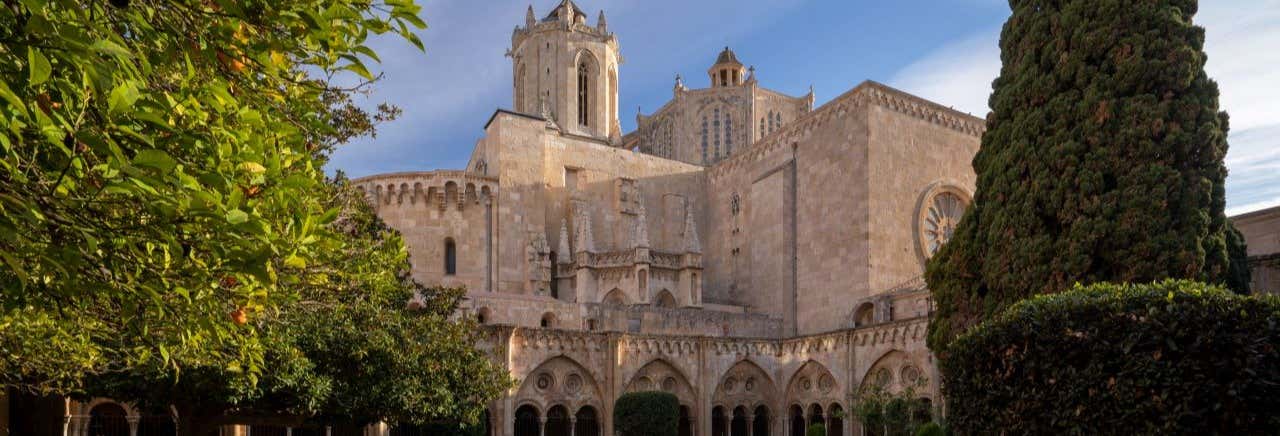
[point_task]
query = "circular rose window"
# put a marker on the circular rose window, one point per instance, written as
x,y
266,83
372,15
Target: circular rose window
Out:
x,y
939,214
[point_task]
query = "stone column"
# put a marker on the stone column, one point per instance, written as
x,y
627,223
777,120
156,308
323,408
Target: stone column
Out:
x,y
751,419
133,424
786,424
542,426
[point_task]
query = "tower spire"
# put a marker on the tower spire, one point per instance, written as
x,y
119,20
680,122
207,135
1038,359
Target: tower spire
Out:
x,y
602,24
528,18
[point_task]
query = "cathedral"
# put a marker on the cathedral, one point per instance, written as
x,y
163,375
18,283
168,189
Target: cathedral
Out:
x,y
756,256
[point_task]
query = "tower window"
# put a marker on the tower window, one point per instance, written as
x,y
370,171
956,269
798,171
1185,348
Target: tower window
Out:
x,y
716,126
450,257
583,94
704,139
728,135
724,78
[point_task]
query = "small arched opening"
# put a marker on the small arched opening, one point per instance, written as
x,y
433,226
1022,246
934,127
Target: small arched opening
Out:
x,y
557,421
864,315
484,316
586,422
760,421
739,425
797,420
548,321
815,415
527,424
835,420
450,257
108,419
665,300
686,421
718,421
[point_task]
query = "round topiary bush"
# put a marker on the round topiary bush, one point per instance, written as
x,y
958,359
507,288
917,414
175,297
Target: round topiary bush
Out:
x,y
1174,357
647,414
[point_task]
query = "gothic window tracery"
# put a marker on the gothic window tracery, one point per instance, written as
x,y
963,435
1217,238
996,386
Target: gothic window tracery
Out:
x,y
583,93
705,132
715,126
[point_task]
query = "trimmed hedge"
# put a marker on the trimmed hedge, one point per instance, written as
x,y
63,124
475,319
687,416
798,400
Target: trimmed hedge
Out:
x,y
816,430
1174,357
647,414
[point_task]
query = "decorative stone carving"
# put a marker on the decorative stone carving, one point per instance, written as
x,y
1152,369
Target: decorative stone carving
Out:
x,y
573,383
544,381
940,210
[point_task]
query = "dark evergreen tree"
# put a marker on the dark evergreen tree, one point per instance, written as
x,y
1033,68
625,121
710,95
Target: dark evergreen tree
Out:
x,y
1102,161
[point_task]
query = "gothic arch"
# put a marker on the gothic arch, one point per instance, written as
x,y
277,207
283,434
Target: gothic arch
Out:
x,y
895,371
559,380
813,384
665,299
614,298
745,384
589,87
660,375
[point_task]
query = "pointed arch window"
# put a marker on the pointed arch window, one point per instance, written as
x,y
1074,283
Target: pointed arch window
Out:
x,y
728,135
704,139
715,120
583,93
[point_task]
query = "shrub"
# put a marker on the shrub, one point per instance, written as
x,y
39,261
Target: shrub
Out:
x,y
1173,357
932,429
816,430
647,414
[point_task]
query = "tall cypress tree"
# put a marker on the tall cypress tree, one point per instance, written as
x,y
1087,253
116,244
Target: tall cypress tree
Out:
x,y
1102,161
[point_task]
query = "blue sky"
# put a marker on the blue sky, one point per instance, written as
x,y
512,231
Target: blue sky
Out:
x,y
944,50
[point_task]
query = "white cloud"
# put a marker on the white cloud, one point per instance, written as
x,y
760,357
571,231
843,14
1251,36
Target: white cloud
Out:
x,y
1243,46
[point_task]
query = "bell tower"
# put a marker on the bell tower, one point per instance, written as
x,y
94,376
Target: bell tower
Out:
x,y
567,71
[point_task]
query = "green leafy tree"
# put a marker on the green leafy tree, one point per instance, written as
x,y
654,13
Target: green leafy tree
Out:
x,y
346,351
1102,161
160,176
816,430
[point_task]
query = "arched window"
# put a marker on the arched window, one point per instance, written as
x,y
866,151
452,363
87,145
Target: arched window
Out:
x,y
865,315
527,421
836,425
718,421
738,427
797,420
450,257
728,135
762,131
108,419
587,424
643,276
584,94
686,422
548,320
705,132
665,300
592,325
557,422
715,126
483,316
815,415
760,423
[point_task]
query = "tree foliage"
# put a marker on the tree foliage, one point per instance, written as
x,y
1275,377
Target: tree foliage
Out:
x,y
347,350
1173,357
1102,161
160,176
651,413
